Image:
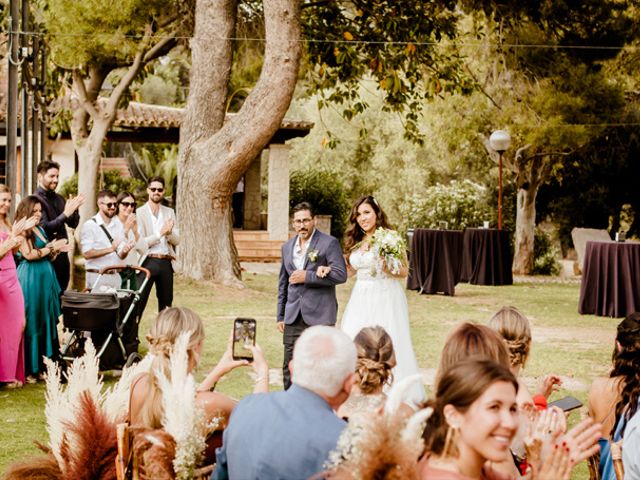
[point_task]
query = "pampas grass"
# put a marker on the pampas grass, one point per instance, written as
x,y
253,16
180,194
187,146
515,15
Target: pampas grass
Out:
x,y
116,398
182,418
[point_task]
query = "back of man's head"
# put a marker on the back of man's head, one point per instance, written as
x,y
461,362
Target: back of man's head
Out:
x,y
323,358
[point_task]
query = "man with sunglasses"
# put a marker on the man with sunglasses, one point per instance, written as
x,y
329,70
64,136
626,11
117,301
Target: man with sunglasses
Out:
x,y
157,225
103,243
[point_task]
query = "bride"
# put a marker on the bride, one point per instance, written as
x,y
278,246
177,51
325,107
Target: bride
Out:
x,y
378,296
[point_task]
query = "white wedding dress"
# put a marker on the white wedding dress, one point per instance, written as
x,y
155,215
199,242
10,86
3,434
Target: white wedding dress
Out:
x,y
378,299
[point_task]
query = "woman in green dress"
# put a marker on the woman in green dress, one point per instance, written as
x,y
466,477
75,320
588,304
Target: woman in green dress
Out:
x,y
40,289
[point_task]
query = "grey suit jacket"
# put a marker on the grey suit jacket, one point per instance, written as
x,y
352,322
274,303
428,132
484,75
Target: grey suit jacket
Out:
x,y
315,299
145,228
280,435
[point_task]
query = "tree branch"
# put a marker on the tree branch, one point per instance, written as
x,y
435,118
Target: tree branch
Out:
x,y
81,91
159,49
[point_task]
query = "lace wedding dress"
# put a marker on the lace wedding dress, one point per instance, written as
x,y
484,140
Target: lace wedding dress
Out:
x,y
378,299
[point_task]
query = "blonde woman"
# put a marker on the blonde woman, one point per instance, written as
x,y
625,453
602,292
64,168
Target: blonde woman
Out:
x,y
515,329
145,408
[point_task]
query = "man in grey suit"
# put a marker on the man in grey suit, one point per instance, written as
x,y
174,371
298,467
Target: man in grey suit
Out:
x,y
288,435
312,266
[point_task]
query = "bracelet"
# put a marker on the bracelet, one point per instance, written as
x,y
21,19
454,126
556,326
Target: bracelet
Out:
x,y
259,379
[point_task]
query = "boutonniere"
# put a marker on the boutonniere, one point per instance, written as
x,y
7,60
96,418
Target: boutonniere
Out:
x,y
312,255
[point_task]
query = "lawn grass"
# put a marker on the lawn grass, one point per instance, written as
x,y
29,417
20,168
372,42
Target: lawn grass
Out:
x,y
577,347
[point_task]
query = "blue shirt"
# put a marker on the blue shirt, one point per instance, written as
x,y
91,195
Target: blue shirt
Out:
x,y
280,435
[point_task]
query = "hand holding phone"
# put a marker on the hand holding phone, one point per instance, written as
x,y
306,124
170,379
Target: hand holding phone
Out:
x,y
567,403
244,337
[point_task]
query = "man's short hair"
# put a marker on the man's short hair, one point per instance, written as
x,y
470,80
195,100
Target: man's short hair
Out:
x,y
323,358
105,194
46,165
156,178
303,206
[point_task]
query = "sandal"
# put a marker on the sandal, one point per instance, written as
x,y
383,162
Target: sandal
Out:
x,y
31,380
14,384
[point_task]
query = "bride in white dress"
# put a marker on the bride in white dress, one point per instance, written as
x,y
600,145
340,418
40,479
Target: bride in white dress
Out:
x,y
378,296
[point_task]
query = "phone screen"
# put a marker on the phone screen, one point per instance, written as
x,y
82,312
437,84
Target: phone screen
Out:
x,y
244,335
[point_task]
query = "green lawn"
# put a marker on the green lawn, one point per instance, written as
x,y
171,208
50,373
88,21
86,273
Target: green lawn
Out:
x,y
574,346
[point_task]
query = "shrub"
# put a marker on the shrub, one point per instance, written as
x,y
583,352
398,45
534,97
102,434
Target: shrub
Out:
x,y
545,255
325,191
460,204
110,179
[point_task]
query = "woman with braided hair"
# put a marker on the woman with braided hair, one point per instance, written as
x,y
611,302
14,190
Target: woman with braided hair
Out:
x,y
374,365
614,401
514,328
145,406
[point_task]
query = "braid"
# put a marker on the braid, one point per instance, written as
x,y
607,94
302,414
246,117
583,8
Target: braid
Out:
x,y
372,374
518,350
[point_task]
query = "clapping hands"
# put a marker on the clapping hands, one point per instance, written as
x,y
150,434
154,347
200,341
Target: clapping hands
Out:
x,y
23,225
167,227
73,204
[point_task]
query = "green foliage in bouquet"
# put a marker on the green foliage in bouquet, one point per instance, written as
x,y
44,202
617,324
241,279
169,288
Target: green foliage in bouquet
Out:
x,y
460,204
325,191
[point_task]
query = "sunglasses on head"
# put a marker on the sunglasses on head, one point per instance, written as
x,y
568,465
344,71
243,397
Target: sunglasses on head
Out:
x,y
109,204
154,189
128,204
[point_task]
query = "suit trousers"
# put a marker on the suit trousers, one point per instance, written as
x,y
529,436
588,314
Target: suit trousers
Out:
x,y
162,276
62,267
291,334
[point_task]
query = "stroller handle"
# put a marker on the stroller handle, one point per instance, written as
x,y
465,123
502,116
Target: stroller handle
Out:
x,y
118,268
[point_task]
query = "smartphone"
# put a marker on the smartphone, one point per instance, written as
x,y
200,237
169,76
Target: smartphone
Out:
x,y
566,404
244,335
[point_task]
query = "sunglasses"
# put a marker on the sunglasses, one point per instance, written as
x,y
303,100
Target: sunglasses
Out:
x,y
154,189
128,204
110,204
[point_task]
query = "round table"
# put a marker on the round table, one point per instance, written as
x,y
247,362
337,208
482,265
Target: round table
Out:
x,y
435,260
486,257
610,279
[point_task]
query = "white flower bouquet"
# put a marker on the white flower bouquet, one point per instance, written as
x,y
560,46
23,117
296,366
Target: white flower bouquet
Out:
x,y
390,247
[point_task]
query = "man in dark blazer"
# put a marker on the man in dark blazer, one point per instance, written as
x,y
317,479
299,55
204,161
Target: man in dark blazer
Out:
x,y
312,266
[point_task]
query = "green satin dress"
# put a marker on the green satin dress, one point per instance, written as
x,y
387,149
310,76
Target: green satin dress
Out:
x,y
42,309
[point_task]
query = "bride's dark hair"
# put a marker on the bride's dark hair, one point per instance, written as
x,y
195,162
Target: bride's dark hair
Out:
x,y
354,233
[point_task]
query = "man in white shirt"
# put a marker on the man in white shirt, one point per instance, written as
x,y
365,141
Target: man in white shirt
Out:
x,y
157,225
103,242
631,447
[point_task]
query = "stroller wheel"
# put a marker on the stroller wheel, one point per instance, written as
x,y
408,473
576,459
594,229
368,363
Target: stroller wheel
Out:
x,y
133,358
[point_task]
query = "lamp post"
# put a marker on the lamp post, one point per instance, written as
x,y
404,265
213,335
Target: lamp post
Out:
x,y
500,141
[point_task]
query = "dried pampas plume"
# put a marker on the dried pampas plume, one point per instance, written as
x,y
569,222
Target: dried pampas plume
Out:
x,y
182,418
384,445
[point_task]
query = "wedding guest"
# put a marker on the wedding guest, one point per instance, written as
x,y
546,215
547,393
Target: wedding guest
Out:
x,y
374,366
631,450
289,434
103,242
40,289
146,398
515,329
157,225
11,298
126,215
614,401
57,214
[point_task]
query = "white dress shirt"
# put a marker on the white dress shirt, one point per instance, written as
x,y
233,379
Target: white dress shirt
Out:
x,y
162,247
300,253
631,447
92,237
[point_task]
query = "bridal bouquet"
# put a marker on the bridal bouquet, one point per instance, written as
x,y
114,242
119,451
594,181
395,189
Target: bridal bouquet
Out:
x,y
390,248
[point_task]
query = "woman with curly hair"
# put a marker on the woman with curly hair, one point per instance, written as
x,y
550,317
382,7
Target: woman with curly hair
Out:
x,y
614,401
378,296
374,365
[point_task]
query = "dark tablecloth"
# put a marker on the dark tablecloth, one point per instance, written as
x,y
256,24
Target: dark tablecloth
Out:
x,y
486,257
435,259
610,279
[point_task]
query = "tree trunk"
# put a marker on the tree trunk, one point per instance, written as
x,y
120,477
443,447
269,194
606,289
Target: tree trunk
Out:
x,y
89,151
525,230
214,155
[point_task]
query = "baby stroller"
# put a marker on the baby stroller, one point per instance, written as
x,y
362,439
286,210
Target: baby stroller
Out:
x,y
110,318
